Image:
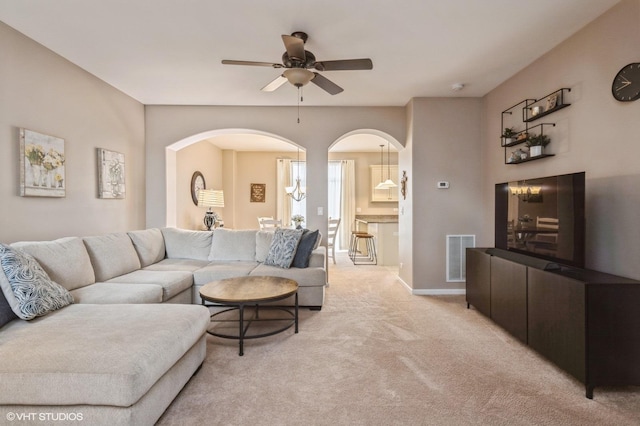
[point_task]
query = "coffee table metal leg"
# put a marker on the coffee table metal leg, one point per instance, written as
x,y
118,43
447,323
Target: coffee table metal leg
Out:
x,y
241,334
296,312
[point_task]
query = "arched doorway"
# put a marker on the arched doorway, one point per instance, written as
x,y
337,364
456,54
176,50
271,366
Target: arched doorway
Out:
x,y
231,160
354,161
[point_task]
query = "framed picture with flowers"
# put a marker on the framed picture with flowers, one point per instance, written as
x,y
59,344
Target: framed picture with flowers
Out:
x,y
110,174
42,164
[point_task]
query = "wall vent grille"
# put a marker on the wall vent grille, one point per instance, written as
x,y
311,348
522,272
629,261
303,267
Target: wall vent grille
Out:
x,y
456,256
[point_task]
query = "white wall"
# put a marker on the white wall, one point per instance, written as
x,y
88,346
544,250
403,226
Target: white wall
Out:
x,y
207,159
45,93
445,146
596,134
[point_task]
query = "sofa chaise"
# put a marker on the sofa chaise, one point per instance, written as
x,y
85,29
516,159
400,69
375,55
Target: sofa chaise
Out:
x,y
136,331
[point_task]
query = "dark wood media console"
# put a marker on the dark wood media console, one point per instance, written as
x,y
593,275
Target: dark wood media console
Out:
x,y
585,322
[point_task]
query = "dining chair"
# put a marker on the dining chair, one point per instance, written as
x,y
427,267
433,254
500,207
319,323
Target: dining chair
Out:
x,y
269,223
332,231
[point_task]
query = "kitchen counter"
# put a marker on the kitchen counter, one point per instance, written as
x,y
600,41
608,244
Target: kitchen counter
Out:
x,y
384,228
377,218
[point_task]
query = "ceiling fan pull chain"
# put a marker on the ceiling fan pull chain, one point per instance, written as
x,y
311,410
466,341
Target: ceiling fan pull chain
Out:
x,y
299,104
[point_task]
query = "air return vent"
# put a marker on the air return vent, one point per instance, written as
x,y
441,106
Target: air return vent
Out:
x,y
456,258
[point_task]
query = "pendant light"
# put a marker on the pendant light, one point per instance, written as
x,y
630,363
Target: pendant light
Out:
x,y
389,183
297,192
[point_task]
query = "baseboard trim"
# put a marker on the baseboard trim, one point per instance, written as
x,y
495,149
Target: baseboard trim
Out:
x,y
439,292
433,291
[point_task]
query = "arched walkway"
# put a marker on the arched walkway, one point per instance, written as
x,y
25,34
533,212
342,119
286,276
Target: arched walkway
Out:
x,y
171,166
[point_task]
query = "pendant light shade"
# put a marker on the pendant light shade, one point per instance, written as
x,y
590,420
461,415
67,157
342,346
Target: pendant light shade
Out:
x,y
297,192
388,183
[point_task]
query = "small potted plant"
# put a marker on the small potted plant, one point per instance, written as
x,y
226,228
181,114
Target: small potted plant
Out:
x,y
537,143
297,219
508,135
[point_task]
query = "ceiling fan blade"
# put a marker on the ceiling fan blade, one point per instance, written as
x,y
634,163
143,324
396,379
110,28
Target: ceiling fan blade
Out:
x,y
295,47
257,64
326,84
279,81
344,65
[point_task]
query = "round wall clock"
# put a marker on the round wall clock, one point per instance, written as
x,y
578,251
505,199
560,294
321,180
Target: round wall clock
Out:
x,y
197,183
626,84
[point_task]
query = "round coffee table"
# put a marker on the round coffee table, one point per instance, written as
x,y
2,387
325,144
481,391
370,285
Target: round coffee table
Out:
x,y
251,290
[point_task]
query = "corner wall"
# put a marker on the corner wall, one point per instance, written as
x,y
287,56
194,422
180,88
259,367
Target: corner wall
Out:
x,y
45,93
445,141
596,134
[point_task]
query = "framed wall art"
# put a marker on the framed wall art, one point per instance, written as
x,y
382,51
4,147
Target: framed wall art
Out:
x,y
41,165
258,192
111,182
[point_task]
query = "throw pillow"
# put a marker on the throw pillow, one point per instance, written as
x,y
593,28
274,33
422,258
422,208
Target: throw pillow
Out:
x,y
6,313
27,287
283,247
305,247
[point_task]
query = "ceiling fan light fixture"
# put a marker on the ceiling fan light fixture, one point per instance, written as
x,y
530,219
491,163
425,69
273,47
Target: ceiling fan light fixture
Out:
x,y
298,76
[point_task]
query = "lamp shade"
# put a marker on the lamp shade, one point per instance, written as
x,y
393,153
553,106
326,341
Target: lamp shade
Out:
x,y
211,198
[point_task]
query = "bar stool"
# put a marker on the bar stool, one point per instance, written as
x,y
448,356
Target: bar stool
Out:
x,y
370,258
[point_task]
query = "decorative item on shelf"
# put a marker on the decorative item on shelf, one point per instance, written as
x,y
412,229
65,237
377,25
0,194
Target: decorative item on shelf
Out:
x,y
211,198
537,143
522,136
552,102
537,110
508,135
388,183
517,155
297,220
297,192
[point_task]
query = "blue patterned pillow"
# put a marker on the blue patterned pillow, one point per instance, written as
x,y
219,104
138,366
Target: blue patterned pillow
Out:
x,y
283,247
27,287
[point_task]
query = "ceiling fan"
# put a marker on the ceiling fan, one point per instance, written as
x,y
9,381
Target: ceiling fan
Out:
x,y
298,62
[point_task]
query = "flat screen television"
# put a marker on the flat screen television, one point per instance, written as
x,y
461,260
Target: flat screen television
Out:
x,y
543,217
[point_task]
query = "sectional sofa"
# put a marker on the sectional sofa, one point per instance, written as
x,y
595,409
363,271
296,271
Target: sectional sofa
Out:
x,y
136,331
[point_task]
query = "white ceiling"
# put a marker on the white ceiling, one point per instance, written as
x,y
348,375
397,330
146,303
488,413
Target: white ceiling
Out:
x,y
169,51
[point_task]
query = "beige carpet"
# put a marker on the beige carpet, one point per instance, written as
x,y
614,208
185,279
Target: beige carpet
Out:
x,y
376,355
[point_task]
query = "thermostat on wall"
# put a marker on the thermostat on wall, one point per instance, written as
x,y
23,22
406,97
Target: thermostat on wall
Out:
x,y
442,185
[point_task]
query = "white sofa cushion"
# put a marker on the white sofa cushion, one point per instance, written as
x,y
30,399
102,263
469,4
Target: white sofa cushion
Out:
x,y
111,255
221,270
65,260
172,282
108,355
149,245
185,244
263,243
118,293
233,245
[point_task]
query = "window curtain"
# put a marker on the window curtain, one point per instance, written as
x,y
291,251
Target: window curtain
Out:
x,y
283,201
341,203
